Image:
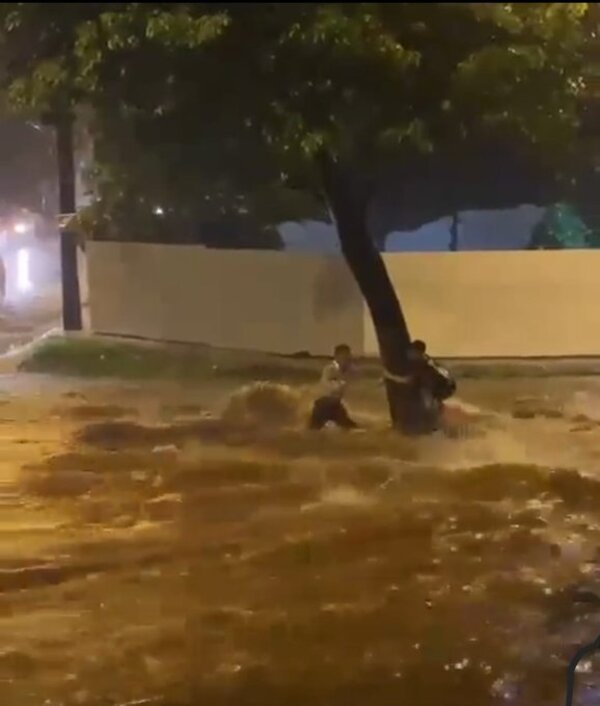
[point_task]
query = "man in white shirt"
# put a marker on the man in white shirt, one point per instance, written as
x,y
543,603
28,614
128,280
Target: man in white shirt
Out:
x,y
328,406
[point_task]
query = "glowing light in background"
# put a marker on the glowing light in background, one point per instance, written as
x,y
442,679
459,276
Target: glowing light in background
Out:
x,y
21,227
23,278
158,211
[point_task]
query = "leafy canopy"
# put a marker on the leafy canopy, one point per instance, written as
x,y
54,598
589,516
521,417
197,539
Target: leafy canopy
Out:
x,y
228,96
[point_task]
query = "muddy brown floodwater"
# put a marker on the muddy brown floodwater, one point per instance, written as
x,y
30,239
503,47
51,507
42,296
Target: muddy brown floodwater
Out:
x,y
154,552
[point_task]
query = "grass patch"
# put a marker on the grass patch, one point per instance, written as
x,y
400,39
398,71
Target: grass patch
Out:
x,y
125,360
131,360
93,358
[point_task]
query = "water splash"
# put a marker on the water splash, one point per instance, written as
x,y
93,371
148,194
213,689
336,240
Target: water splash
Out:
x,y
346,496
265,404
584,403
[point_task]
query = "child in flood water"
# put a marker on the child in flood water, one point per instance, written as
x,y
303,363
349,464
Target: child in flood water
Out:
x,y
429,385
329,406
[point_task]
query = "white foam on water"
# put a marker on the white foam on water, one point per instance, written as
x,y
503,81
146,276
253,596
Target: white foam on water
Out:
x,y
265,404
485,438
346,496
584,403
474,436
550,443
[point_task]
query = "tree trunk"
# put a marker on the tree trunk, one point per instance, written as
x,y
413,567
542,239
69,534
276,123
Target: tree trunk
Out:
x,y
348,200
71,301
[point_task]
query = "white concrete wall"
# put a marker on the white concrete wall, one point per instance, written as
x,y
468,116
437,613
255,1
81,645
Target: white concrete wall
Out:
x,y
266,301
469,304
488,304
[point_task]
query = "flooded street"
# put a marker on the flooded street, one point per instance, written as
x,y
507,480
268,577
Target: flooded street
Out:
x,y
299,354
154,552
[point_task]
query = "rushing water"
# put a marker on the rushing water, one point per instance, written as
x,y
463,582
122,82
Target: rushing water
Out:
x,y
239,559
533,455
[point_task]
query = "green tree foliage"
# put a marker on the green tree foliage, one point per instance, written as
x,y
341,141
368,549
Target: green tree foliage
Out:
x,y
327,97
375,80
360,79
562,227
120,58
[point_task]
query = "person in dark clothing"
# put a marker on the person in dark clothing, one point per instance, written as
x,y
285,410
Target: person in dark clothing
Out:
x,y
429,385
327,410
329,406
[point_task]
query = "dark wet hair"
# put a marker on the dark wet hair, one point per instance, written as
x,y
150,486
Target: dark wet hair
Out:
x,y
341,349
419,346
